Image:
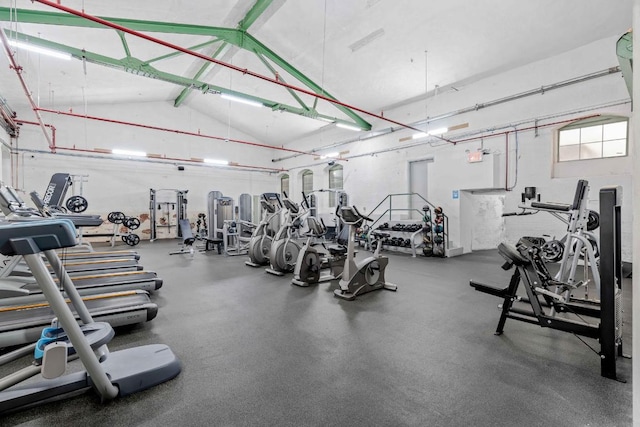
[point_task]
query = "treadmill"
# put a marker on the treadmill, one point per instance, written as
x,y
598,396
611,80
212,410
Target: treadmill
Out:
x,y
16,267
21,323
15,209
25,290
110,374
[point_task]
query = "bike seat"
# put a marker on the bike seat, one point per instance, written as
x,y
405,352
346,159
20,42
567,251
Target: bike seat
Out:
x,y
511,254
337,250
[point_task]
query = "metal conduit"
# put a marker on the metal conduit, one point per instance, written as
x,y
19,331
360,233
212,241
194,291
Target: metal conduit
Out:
x,y
181,132
540,90
94,154
481,134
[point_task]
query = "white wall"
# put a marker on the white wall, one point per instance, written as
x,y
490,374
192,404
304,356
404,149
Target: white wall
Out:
x,y
123,185
377,166
370,178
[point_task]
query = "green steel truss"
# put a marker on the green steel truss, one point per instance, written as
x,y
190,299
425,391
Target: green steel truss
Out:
x,y
225,36
624,50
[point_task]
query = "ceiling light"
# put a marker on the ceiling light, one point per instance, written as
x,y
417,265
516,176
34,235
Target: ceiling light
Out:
x,y
128,153
350,127
242,100
437,131
335,154
216,162
41,50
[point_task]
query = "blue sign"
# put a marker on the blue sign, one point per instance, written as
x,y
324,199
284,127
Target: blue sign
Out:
x,y
455,194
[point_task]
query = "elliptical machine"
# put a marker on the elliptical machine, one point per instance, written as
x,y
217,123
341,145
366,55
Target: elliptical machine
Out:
x,y
316,262
360,277
260,243
286,245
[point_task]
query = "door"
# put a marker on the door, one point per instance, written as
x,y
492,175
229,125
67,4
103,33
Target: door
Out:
x,y
418,183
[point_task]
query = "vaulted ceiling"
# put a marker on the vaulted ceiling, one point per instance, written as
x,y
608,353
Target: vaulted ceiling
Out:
x,y
368,55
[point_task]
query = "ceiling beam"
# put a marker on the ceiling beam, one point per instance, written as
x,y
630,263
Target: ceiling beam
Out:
x,y
143,68
235,37
258,8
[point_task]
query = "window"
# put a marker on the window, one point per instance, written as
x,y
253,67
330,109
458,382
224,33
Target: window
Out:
x,y
335,183
284,184
307,181
596,138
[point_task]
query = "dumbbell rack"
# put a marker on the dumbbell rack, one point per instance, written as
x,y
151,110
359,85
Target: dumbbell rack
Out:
x,y
407,199
402,231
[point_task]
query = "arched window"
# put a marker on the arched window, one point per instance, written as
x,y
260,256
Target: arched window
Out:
x,y
335,182
284,184
307,181
594,138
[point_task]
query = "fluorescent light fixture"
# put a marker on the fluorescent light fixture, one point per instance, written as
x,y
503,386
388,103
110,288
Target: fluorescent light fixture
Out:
x,y
350,127
328,155
128,152
216,162
241,100
41,50
437,131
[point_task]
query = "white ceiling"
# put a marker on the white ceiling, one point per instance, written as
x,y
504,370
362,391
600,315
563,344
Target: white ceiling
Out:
x,y
366,53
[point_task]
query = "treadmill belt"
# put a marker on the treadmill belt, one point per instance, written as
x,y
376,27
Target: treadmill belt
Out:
x,y
20,317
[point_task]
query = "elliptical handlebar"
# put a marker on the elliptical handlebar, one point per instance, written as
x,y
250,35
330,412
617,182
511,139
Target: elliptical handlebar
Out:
x,y
354,216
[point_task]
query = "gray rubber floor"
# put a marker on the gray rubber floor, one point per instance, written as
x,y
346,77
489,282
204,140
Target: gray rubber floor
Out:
x,y
257,351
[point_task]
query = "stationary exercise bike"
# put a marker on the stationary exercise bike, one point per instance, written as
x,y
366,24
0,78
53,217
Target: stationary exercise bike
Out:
x,y
318,262
366,275
287,244
260,243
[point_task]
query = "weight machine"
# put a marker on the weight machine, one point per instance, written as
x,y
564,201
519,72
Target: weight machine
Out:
x,y
56,192
226,227
568,313
579,242
172,205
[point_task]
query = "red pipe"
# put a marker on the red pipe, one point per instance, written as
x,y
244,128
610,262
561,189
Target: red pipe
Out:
x,y
18,69
52,127
180,132
53,132
506,161
175,159
244,71
473,138
506,134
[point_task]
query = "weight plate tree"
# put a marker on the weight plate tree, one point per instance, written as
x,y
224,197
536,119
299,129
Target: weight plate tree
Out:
x,y
438,233
427,231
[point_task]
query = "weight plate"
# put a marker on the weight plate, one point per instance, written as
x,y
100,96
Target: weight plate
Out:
x,y
77,204
133,240
132,223
552,251
116,217
593,222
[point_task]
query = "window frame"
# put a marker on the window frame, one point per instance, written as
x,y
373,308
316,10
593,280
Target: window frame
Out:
x,y
601,121
333,186
283,178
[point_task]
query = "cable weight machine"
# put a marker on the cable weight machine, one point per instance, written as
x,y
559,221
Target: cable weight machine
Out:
x,y
172,206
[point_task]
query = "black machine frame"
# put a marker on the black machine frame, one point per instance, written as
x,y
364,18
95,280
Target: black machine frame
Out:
x,y
543,291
